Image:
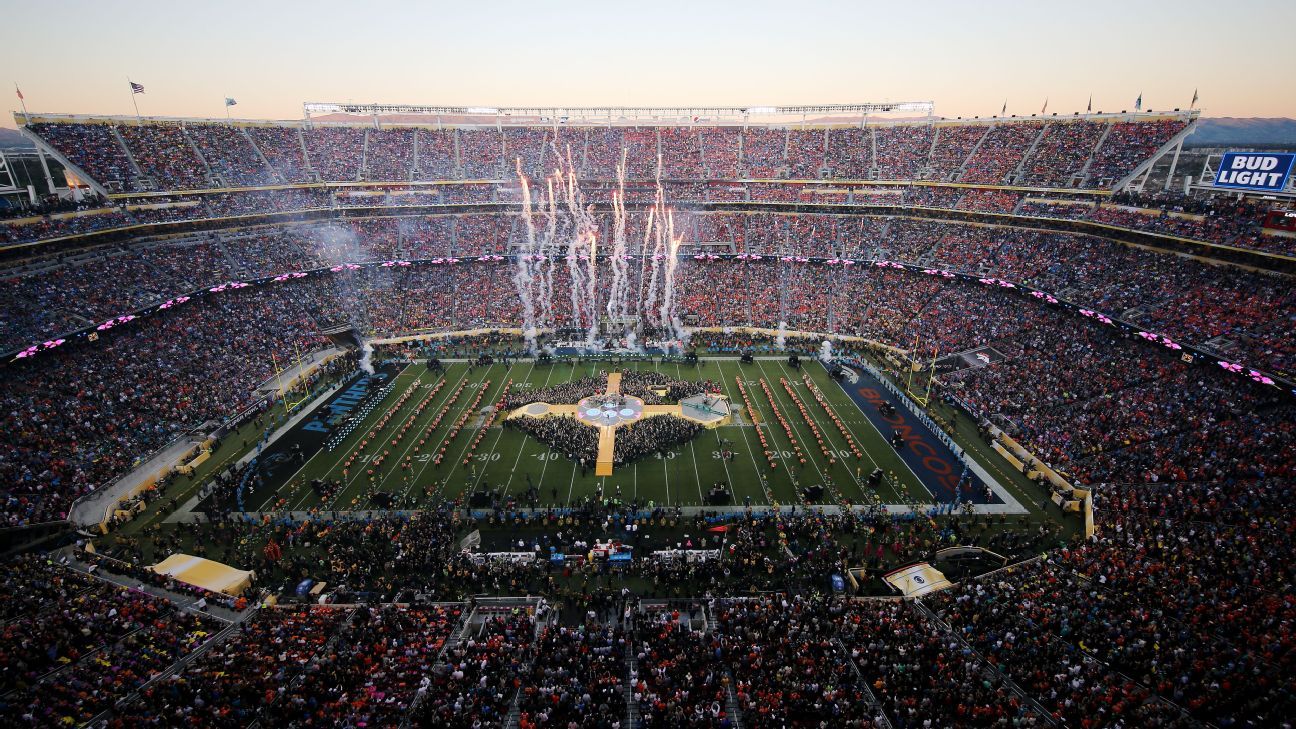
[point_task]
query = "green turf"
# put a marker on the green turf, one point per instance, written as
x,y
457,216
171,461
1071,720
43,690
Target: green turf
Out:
x,y
505,458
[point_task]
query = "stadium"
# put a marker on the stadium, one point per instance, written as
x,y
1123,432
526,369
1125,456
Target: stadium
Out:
x,y
840,415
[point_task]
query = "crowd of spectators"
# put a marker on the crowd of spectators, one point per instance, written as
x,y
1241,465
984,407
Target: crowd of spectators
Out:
x,y
952,148
567,393
80,416
1240,315
1021,623
73,645
173,154
1127,144
233,682
335,153
94,149
923,675
681,677
1177,612
789,667
1000,152
229,154
284,150
378,663
389,154
435,150
850,153
164,153
480,675
1062,153
902,150
577,680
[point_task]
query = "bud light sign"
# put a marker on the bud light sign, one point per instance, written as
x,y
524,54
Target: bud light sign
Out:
x,y
1265,171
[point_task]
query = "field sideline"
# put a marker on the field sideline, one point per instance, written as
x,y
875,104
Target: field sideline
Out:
x,y
508,461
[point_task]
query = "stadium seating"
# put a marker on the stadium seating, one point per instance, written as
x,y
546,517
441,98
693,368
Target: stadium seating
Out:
x,y
1176,613
182,157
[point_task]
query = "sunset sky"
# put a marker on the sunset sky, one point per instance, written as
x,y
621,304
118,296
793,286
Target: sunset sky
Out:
x,y
968,57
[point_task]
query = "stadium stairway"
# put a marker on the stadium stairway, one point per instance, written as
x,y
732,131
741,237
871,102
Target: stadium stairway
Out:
x,y
879,716
362,172
931,617
208,174
963,168
274,174
925,172
1084,171
1019,172
515,709
632,667
456,635
731,700
226,633
324,650
126,149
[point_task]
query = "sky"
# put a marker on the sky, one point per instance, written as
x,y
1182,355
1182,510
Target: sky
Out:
x,y
967,57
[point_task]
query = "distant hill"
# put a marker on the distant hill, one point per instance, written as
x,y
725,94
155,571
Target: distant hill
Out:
x,y
1231,131
10,138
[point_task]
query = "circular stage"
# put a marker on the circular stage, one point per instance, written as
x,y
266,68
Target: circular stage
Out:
x,y
609,410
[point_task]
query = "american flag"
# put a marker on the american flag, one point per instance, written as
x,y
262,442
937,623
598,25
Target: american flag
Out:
x,y
136,88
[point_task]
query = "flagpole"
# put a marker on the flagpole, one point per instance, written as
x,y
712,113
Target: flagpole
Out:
x,y
131,85
23,101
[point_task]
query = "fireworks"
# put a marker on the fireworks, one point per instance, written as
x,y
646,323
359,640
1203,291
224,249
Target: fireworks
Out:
x,y
571,232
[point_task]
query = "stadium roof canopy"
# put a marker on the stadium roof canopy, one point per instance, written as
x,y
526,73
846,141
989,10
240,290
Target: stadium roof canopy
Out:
x,y
616,113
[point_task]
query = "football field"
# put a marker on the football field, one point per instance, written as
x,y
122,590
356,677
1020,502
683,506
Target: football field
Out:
x,y
433,436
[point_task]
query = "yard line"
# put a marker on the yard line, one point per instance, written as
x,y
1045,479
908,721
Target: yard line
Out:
x,y
720,444
571,486
827,431
793,416
666,471
408,448
413,479
701,499
456,411
528,439
770,425
746,442
664,459
696,472
413,441
545,466
500,434
380,436
503,382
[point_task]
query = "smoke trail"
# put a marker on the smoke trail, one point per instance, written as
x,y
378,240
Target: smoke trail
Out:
x,y
781,339
668,321
653,254
366,357
825,350
617,306
340,249
592,296
547,249
524,274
